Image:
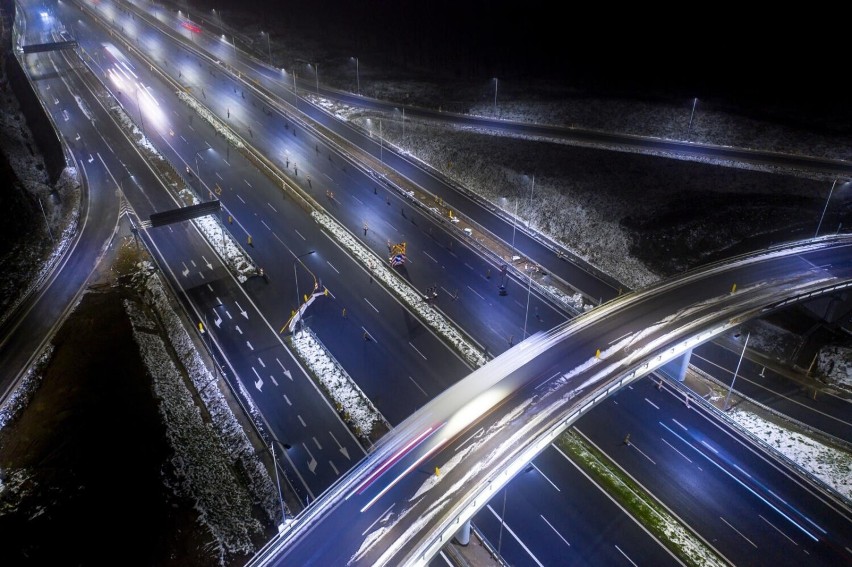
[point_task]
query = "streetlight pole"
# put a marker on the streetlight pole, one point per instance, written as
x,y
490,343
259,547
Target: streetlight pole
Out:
x,y
495,95
296,276
825,208
316,74
268,48
278,482
532,189
689,127
357,77
381,145
139,110
728,397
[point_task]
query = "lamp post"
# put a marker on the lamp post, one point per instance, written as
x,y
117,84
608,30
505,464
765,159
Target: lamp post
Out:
x,y
139,110
357,77
728,397
689,127
296,276
197,170
268,48
495,95
278,482
825,208
316,74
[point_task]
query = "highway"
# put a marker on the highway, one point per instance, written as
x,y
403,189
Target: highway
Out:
x,y
449,458
25,334
356,353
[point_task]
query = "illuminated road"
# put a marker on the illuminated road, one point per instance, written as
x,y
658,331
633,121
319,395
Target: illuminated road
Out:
x,y
399,506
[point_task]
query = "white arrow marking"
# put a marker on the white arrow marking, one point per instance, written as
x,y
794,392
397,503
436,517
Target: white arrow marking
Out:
x,y
77,139
240,331
185,271
242,311
55,100
286,372
286,399
249,345
334,468
259,382
218,320
312,464
91,159
341,447
209,265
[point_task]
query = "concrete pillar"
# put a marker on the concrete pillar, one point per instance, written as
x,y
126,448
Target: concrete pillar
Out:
x,y
463,535
684,364
677,367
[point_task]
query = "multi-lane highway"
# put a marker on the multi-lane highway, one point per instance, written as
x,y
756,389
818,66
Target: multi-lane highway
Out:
x,y
446,461
315,459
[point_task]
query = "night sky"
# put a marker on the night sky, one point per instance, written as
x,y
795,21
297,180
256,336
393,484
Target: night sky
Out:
x,y
766,59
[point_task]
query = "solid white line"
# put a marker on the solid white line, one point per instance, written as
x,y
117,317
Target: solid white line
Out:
x,y
508,529
219,176
544,476
741,470
633,446
738,531
779,531
418,386
626,557
332,267
264,224
678,452
378,519
418,351
619,338
371,305
554,530
681,425
474,291
703,442
430,257
652,403
300,234
471,436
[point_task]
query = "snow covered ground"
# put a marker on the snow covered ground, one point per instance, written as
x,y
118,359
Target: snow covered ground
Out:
x,y
212,455
832,466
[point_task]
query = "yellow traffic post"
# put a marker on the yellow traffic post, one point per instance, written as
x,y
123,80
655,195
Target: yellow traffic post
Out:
x,y
598,353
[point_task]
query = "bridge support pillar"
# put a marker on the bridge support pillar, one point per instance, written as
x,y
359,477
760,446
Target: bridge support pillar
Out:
x,y
463,535
682,364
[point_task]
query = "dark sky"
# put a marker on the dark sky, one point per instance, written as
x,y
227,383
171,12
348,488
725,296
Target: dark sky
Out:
x,y
765,57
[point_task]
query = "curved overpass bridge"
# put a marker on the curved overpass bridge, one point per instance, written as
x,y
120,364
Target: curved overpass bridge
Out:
x,y
423,480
